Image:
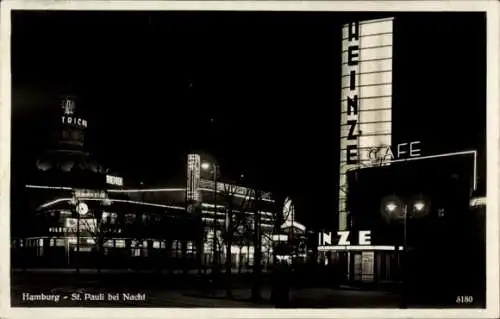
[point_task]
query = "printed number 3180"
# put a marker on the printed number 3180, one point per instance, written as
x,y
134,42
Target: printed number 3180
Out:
x,y
465,299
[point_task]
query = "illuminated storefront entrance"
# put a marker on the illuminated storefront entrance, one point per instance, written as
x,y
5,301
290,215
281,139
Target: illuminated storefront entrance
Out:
x,y
366,264
356,259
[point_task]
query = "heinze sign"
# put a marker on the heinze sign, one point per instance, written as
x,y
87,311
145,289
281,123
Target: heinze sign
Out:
x,y
347,241
345,237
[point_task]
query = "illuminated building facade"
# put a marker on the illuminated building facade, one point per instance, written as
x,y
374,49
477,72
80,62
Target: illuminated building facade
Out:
x,y
367,142
366,110
75,213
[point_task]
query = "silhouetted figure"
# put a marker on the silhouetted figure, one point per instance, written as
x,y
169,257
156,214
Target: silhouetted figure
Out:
x,y
280,295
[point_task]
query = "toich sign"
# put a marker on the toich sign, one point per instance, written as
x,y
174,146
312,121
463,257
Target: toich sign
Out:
x,y
75,121
68,106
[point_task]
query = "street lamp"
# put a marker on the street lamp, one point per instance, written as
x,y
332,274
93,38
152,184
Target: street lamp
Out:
x,y
206,166
420,206
392,208
396,209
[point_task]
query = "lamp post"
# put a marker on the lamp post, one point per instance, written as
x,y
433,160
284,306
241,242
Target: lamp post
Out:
x,y
207,166
405,252
393,205
393,208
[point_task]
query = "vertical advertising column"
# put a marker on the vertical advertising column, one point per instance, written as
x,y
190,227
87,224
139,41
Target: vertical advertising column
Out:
x,y
193,179
73,125
366,102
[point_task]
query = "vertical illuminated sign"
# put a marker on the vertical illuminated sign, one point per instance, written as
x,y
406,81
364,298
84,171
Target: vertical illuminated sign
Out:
x,y
366,100
366,106
193,178
73,126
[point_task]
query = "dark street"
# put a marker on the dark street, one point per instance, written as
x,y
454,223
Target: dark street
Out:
x,y
187,291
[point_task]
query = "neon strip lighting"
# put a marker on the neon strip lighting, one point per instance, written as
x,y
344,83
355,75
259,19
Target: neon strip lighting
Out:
x,y
111,200
220,220
236,211
49,187
209,205
473,152
237,195
85,237
141,190
211,212
146,190
358,248
478,201
296,224
280,237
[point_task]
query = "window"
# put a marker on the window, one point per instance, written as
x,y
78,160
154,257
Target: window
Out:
x,y
136,252
60,242
108,244
130,218
120,243
105,217
175,248
156,244
113,218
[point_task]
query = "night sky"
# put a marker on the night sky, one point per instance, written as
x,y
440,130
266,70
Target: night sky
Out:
x,y
260,91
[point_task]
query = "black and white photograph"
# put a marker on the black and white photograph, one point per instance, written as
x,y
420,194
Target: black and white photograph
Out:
x,y
263,159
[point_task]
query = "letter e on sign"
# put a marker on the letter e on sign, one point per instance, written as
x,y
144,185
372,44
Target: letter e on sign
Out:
x,y
365,237
414,150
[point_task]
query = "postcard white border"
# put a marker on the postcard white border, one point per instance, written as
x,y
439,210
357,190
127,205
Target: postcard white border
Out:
x,y
493,143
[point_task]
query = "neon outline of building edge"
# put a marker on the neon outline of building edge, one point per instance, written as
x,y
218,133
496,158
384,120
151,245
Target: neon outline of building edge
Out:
x,y
476,201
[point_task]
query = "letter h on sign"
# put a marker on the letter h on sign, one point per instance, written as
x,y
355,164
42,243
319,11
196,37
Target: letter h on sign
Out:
x,y
353,31
353,50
